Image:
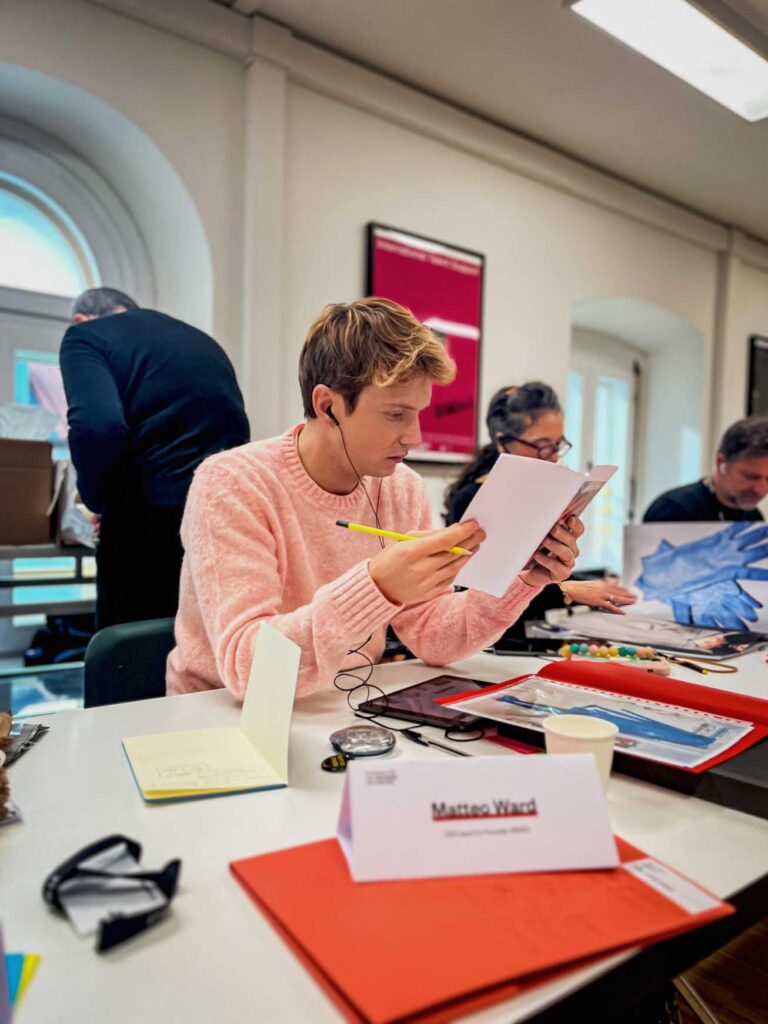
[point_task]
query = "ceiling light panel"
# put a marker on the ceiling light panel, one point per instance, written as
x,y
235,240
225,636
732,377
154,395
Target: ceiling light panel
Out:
x,y
684,41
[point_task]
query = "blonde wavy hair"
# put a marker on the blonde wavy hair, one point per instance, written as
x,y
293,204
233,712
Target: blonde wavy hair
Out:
x,y
371,341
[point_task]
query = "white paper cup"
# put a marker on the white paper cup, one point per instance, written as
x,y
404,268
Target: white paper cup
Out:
x,y
582,734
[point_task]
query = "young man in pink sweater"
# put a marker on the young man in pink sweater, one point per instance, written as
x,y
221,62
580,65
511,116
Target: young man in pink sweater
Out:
x,y
260,536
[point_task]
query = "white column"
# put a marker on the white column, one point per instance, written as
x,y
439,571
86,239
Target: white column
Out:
x,y
263,247
742,311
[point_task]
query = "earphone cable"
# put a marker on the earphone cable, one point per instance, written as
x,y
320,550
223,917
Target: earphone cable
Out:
x,y
374,509
363,682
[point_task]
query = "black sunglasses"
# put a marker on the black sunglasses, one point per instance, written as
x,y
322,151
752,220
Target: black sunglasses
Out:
x,y
543,449
117,927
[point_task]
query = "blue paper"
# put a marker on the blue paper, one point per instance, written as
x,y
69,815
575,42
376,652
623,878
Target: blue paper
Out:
x,y
700,580
14,962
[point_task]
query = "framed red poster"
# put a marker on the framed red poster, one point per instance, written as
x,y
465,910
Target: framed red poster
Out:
x,y
442,285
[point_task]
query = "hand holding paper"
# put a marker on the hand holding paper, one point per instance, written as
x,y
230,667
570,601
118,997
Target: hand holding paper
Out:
x,y
554,559
424,568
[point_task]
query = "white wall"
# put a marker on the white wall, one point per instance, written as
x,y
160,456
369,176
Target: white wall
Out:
x,y
747,313
161,119
545,250
674,451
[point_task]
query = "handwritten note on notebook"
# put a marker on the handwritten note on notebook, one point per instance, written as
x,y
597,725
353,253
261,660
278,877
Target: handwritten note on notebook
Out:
x,y
228,759
517,506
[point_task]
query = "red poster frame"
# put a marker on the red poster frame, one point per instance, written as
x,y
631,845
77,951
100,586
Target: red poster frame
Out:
x,y
443,286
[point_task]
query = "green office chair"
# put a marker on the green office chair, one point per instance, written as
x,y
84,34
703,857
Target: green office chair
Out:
x,y
127,662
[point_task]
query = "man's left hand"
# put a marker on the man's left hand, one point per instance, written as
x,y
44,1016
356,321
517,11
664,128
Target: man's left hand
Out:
x,y
555,559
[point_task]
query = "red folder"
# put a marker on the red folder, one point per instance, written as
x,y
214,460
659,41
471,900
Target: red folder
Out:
x,y
431,949
632,683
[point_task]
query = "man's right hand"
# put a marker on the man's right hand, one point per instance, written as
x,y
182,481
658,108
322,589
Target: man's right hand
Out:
x,y
409,572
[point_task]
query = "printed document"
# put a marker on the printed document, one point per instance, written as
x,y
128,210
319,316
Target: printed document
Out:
x,y
517,506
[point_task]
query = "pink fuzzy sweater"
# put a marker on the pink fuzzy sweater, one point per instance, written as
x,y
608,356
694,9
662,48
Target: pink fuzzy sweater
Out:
x,y
260,542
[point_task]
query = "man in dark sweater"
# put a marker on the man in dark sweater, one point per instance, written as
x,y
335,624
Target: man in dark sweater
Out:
x,y
149,398
739,482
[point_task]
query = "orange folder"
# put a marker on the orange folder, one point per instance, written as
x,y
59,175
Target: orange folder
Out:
x,y
427,950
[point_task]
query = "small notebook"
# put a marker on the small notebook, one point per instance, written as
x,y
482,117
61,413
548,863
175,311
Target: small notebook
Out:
x,y
517,506
218,761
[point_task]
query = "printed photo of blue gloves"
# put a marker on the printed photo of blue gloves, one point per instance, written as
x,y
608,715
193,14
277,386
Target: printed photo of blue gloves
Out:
x,y
700,580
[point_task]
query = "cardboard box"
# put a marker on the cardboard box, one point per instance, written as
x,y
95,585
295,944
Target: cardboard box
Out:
x,y
26,469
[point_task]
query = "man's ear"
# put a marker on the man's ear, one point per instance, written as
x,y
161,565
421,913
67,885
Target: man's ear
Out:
x,y
80,318
720,462
322,399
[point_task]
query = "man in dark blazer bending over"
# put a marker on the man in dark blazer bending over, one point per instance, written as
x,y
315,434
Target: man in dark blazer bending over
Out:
x,y
149,398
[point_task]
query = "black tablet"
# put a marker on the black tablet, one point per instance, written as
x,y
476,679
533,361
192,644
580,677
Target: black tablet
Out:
x,y
416,703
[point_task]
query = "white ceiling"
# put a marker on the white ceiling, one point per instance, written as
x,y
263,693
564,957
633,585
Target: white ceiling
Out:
x,y
534,66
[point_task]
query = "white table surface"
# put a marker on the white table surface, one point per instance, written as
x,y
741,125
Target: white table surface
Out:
x,y
215,957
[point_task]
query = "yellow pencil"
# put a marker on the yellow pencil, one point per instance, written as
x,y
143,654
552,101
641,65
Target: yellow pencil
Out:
x,y
392,536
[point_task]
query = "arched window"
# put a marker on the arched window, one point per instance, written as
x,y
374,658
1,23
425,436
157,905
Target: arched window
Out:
x,y
41,248
42,253
62,230
44,258
44,262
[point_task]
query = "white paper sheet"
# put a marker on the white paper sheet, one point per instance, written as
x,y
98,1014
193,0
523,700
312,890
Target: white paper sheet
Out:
x,y
680,890
517,506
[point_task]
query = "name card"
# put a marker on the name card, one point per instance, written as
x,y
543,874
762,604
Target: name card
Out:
x,y
487,815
